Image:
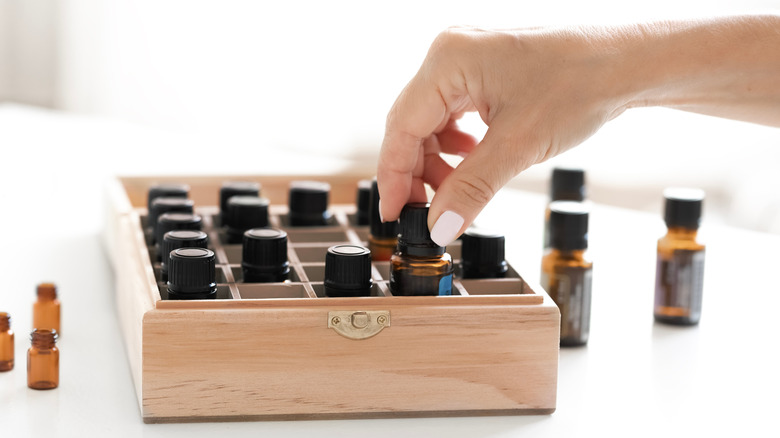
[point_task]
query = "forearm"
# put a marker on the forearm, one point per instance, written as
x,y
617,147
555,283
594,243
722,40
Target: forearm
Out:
x,y
727,67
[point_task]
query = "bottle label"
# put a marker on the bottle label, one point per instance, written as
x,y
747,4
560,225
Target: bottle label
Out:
x,y
570,288
679,282
445,285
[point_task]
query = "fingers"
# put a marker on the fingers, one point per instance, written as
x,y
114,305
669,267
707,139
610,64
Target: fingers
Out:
x,y
468,188
418,111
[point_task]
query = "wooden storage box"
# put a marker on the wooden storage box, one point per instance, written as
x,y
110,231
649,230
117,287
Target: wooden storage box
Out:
x,y
276,351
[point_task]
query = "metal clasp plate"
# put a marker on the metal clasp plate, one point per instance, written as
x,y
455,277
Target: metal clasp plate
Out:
x,y
360,324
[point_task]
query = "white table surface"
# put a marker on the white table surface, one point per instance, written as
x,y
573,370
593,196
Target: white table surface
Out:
x,y
634,377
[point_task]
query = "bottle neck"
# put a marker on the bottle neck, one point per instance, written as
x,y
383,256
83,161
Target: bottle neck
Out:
x,y
43,339
682,233
570,254
47,292
5,322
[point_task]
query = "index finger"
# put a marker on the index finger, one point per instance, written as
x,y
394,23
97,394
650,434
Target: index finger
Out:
x,y
417,112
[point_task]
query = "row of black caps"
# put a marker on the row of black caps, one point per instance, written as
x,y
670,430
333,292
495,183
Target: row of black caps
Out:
x,y
569,216
264,254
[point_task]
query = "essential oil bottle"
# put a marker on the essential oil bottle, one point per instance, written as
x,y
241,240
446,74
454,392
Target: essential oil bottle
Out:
x,y
567,270
348,271
363,202
172,222
566,184
679,274
161,206
383,237
6,343
419,266
244,213
264,256
46,310
482,254
235,188
308,204
179,239
166,190
192,274
43,360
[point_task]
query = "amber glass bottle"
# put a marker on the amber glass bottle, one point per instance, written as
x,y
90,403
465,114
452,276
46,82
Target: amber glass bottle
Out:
x,y
43,360
6,343
567,184
347,271
419,266
383,237
46,310
567,270
680,265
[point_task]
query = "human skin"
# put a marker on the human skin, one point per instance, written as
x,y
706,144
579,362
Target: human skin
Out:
x,y
543,91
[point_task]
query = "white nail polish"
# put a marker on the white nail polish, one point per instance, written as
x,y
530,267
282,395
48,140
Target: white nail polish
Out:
x,y
379,207
446,228
463,154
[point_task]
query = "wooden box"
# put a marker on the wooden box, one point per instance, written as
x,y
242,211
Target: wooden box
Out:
x,y
273,351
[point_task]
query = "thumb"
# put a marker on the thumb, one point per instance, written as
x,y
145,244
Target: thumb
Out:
x,y
470,186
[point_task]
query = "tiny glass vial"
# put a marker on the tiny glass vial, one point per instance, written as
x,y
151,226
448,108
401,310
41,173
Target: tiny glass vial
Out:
x,y
348,271
363,202
679,274
566,184
308,204
6,343
482,254
383,237
46,310
419,266
43,360
567,270
264,256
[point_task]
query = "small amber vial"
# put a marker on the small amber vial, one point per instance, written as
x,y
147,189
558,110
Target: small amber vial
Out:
x,y
6,343
566,184
43,360
383,237
567,270
419,266
46,310
679,274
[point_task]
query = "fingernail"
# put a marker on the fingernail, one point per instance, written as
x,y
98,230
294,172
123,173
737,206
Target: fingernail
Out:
x,y
463,154
379,207
446,228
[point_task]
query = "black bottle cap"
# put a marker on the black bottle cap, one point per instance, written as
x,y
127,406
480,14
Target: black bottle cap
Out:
x,y
378,228
168,190
309,203
235,188
161,206
568,225
414,237
243,213
176,221
363,201
265,250
683,207
347,271
192,274
180,239
482,254
568,184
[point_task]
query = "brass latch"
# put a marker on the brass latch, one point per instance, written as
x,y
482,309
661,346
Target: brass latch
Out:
x,y
358,324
